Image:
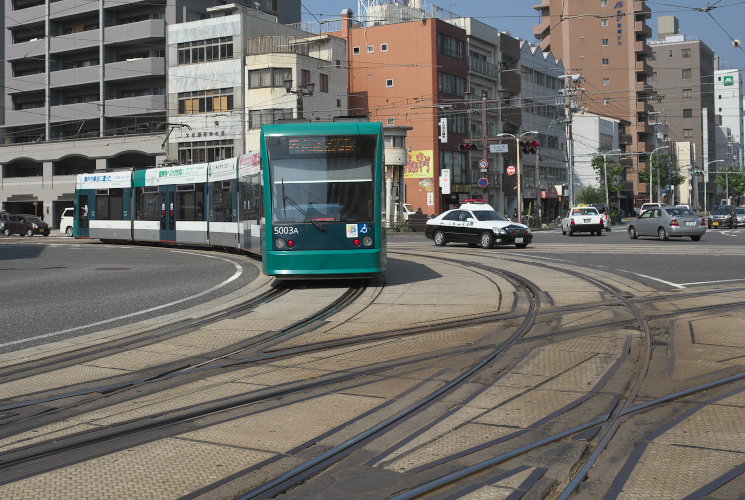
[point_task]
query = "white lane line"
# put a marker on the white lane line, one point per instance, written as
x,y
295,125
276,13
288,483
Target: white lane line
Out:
x,y
676,285
710,282
235,276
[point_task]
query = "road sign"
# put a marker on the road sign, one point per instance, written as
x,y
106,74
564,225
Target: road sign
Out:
x,y
497,148
483,182
510,169
483,164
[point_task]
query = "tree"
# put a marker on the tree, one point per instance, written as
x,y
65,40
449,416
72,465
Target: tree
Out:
x,y
664,170
611,172
734,182
591,195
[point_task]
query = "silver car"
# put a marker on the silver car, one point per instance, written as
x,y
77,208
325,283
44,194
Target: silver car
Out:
x,y
668,222
740,211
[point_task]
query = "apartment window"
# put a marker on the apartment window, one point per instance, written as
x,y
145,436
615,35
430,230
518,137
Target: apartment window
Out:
x,y
338,103
356,51
685,53
204,151
606,102
606,82
451,84
259,117
370,49
670,54
205,101
653,57
389,83
604,42
603,22
212,49
686,93
384,47
391,121
603,3
687,133
304,76
323,82
449,46
268,77
606,61
687,113
686,74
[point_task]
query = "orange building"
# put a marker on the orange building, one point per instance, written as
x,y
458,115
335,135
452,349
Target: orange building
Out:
x,y
412,73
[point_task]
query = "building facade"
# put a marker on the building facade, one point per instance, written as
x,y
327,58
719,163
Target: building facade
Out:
x,y
606,42
86,91
728,108
683,77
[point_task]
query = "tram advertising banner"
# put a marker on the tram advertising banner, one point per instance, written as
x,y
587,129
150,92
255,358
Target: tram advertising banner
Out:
x,y
183,174
122,179
222,170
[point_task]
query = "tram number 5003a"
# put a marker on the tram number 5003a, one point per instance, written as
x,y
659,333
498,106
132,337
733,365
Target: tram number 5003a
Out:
x,y
285,230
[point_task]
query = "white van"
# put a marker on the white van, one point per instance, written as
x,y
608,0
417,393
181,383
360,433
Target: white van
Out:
x,y
65,223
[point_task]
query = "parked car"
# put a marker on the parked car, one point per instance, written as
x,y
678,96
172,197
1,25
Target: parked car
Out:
x,y
740,212
66,221
24,224
668,222
477,224
3,219
723,215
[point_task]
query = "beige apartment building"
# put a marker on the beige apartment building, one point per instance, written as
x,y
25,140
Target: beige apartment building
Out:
x,y
606,42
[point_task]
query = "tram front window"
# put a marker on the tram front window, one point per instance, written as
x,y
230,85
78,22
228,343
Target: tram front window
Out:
x,y
326,178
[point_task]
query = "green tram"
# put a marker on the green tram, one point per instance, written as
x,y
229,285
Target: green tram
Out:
x,y
309,202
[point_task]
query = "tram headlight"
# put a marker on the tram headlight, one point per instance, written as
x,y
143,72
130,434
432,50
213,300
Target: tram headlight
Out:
x,y
279,243
367,241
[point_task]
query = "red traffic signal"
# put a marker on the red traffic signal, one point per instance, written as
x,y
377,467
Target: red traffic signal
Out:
x,y
468,147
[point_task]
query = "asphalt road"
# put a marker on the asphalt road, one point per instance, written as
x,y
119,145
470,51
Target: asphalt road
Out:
x,y
52,292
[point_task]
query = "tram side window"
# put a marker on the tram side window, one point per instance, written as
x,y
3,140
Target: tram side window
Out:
x,y
110,204
252,201
147,203
223,202
190,202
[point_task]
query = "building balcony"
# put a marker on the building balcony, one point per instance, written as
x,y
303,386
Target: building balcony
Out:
x,y
643,89
71,8
511,82
643,67
642,47
544,29
135,105
25,117
625,139
26,50
139,68
75,76
26,83
108,4
28,15
74,112
641,27
74,41
142,31
483,68
643,106
640,7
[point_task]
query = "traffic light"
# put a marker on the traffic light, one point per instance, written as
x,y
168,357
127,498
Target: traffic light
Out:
x,y
533,146
524,147
468,147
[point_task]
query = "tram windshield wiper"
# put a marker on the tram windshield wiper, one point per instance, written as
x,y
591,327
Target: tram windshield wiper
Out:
x,y
321,227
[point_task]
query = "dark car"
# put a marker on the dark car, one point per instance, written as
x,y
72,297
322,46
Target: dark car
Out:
x,y
3,219
723,215
24,224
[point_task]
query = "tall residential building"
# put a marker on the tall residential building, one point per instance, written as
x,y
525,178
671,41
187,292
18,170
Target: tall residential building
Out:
x,y
605,42
85,90
683,78
728,109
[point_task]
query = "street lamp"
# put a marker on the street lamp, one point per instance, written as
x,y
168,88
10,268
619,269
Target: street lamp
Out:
x,y
605,172
517,148
305,89
651,161
706,178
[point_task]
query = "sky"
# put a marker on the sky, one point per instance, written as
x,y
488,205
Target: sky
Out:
x,y
716,28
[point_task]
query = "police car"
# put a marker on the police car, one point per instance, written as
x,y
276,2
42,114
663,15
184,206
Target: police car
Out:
x,y
477,224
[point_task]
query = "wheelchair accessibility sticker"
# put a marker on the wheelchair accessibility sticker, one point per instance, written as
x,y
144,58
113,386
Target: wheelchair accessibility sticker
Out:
x,y
363,229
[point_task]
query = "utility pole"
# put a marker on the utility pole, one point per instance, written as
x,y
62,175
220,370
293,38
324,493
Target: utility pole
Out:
x,y
484,140
569,91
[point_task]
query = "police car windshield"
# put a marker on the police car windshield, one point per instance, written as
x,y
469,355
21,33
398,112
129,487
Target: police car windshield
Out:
x,y
488,215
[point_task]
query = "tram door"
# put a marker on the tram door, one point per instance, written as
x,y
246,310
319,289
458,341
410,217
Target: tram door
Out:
x,y
167,201
81,216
